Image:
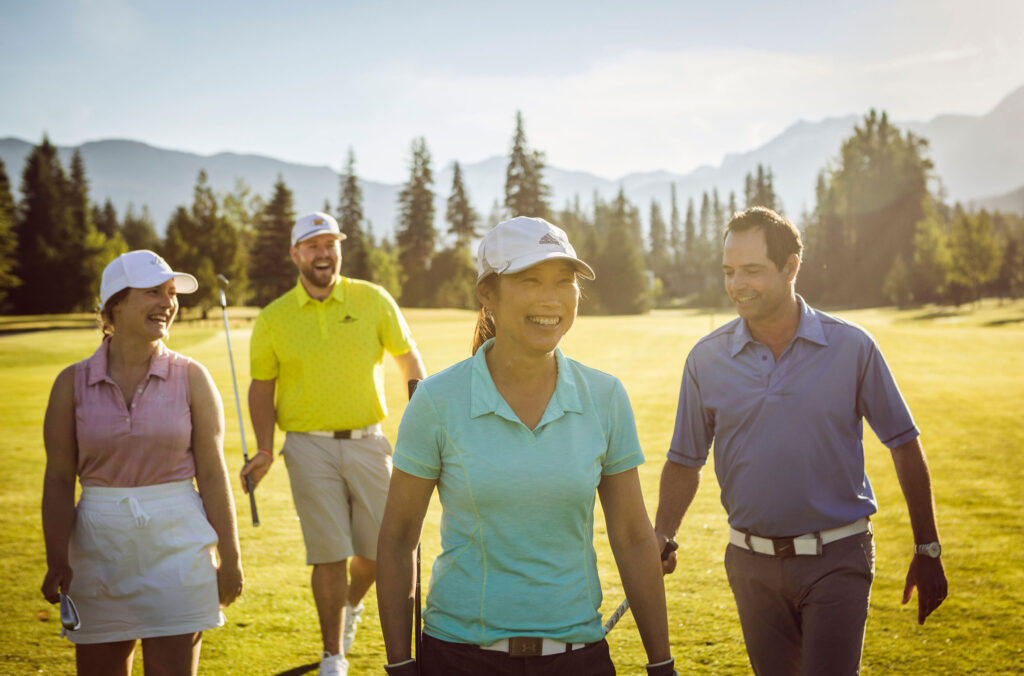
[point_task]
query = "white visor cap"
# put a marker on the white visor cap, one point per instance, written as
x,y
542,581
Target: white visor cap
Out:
x,y
518,243
316,223
141,269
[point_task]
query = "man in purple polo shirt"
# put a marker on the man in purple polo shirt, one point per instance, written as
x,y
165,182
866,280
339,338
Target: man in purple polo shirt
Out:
x,y
782,391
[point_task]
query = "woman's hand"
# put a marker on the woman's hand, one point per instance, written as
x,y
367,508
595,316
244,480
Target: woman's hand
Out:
x,y
230,581
58,578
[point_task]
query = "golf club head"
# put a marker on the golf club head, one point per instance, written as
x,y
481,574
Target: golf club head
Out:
x,y
69,618
223,280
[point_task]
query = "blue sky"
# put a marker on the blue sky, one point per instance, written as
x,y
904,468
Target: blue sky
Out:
x,y
605,87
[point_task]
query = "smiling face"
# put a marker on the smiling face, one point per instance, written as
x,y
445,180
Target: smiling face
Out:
x,y
148,313
759,290
319,262
533,308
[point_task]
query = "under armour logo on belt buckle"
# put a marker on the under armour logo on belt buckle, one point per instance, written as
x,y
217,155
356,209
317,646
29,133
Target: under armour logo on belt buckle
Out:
x,y
525,646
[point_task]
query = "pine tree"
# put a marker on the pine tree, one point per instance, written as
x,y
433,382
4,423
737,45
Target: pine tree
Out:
x,y
271,270
452,277
657,234
658,261
87,250
718,219
8,240
461,216
138,230
931,261
677,246
387,272
759,189
42,232
869,206
203,242
1010,231
356,260
622,283
526,194
105,218
705,216
975,254
415,234
241,209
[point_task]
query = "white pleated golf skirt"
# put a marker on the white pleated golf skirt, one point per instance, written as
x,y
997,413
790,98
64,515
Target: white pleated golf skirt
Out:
x,y
143,563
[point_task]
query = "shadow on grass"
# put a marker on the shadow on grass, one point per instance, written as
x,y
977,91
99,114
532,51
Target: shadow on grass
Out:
x,y
936,314
1005,322
298,671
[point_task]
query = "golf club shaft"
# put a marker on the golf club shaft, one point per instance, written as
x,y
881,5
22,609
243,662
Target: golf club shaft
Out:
x,y
417,608
238,407
670,547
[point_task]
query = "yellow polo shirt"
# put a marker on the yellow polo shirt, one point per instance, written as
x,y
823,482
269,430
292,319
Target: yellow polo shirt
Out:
x,y
328,357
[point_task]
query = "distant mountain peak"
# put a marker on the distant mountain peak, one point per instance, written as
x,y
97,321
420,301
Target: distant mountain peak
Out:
x,y
975,156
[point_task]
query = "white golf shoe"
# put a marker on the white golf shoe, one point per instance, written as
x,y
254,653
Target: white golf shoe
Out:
x,y
353,616
333,665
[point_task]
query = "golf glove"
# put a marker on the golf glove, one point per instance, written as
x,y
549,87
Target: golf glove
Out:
x,y
666,668
406,668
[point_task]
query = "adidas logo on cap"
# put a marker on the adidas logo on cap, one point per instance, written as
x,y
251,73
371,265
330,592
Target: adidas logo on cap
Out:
x,y
548,238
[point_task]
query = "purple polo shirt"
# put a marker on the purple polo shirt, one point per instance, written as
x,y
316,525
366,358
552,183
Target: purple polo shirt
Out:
x,y
788,434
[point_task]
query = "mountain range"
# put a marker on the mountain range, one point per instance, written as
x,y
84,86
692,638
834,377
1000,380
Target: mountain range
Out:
x,y
979,160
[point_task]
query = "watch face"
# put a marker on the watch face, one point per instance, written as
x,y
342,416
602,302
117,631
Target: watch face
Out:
x,y
932,549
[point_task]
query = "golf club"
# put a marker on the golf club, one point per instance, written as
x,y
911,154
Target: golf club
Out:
x,y
238,405
670,547
69,618
418,620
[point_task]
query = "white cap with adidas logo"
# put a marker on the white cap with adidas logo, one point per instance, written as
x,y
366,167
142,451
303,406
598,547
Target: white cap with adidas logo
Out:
x,y
518,243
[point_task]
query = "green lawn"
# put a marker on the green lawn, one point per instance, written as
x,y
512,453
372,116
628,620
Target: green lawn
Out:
x,y
962,373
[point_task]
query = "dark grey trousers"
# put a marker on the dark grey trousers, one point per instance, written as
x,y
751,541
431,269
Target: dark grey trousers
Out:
x,y
804,615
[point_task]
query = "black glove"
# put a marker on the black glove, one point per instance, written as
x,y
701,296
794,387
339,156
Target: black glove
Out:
x,y
662,669
407,668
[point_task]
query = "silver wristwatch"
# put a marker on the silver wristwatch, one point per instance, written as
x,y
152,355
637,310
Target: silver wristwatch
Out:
x,y
932,549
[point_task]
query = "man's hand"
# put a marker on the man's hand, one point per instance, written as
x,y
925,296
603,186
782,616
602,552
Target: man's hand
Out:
x,y
257,467
928,575
668,563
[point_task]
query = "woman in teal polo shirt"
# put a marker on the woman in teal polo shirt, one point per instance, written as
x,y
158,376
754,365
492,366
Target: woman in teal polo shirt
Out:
x,y
518,439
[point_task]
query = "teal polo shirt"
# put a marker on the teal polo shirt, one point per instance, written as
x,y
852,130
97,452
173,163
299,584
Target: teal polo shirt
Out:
x,y
517,525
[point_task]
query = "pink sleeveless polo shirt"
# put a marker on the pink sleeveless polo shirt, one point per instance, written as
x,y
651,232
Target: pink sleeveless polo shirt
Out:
x,y
150,442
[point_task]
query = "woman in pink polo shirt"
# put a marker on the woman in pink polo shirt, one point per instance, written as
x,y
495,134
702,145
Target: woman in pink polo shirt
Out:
x,y
144,555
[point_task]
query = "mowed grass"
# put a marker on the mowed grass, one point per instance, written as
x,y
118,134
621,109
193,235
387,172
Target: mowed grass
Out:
x,y
962,373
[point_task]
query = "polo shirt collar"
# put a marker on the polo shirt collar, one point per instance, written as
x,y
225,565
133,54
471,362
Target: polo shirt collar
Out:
x,y
338,292
809,328
159,364
485,398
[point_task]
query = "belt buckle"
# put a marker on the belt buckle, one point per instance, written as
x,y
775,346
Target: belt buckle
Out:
x,y
343,434
784,547
525,646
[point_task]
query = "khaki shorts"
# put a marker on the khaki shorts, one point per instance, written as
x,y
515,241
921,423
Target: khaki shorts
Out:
x,y
339,487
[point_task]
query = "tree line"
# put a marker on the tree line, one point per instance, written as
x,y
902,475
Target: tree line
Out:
x,y
879,233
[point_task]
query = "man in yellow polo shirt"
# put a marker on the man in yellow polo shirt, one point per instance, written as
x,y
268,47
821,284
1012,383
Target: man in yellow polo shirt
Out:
x,y
320,348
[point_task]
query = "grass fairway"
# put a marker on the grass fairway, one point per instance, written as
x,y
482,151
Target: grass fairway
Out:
x,y
963,375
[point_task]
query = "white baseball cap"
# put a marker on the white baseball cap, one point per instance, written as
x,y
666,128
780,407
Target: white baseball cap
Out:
x,y
316,223
141,269
518,243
